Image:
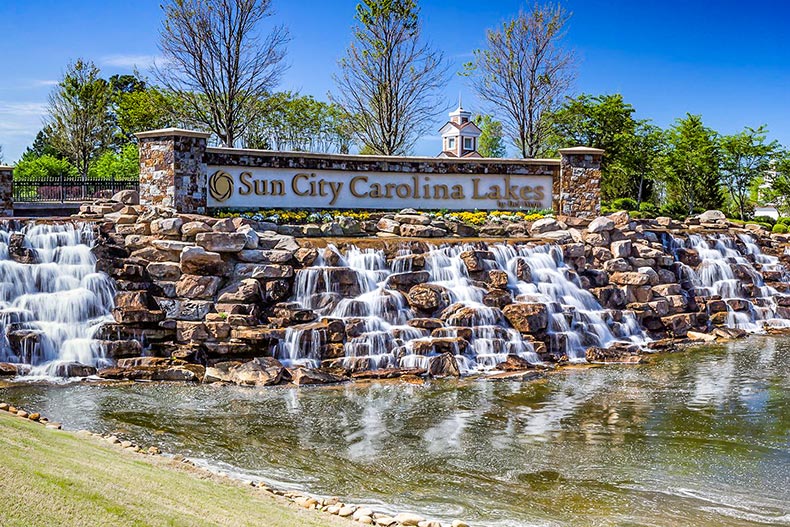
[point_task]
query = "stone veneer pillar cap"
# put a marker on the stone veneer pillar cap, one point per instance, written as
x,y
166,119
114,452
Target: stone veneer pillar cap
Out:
x,y
581,150
165,132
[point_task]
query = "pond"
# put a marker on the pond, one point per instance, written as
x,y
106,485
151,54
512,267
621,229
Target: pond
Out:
x,y
700,437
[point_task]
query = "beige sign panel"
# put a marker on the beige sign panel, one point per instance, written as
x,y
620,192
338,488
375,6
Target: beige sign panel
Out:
x,y
278,188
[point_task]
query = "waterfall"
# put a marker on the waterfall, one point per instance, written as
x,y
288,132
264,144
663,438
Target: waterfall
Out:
x,y
731,272
52,300
357,288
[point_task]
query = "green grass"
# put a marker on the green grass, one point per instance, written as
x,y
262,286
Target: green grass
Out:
x,y
50,477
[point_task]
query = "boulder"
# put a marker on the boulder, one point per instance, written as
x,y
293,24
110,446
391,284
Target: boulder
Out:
x,y
514,363
476,260
601,224
167,226
196,260
413,219
388,225
621,249
428,297
303,376
127,197
261,371
712,216
443,365
247,291
197,287
191,229
629,278
222,242
20,253
166,271
421,231
405,281
527,317
73,369
545,225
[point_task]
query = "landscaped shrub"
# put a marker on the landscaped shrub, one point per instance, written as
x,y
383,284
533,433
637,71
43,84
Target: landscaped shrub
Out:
x,y
784,220
650,209
779,228
42,168
674,209
764,219
624,204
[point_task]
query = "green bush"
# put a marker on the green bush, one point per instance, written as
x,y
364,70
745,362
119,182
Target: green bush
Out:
x,y
649,209
119,165
674,209
764,219
779,228
624,204
44,167
784,220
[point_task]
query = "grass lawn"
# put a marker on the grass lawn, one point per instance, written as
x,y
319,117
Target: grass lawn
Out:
x,y
55,478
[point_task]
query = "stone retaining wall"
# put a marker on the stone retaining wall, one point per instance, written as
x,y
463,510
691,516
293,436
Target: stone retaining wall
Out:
x,y
6,191
174,165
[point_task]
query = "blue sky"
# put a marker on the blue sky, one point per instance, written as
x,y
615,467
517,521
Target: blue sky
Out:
x,y
727,60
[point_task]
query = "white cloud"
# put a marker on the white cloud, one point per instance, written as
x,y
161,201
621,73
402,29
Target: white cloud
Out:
x,y
131,61
45,82
19,123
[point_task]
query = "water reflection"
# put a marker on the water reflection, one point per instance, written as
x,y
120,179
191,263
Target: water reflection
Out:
x,y
696,438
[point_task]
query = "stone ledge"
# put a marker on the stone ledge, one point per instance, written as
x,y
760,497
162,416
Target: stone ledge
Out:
x,y
172,132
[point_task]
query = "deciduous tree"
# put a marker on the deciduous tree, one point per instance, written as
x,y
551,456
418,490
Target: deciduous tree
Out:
x,y
523,72
389,77
691,170
491,143
744,158
79,121
217,61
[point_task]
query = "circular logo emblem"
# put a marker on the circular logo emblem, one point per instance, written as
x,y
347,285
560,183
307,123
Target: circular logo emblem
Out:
x,y
220,186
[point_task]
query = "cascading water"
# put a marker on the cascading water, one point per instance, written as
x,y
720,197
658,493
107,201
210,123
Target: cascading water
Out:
x,y
52,300
730,272
357,288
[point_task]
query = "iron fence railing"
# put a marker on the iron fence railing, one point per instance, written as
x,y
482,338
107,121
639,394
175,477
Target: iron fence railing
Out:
x,y
67,189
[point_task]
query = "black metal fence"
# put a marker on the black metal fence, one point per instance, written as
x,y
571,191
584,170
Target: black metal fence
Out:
x,y
65,189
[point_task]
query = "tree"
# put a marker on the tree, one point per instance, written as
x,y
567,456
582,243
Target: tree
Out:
x,y
288,121
744,158
121,165
491,143
217,63
42,145
42,168
691,168
79,122
524,71
146,109
598,121
779,184
388,78
639,163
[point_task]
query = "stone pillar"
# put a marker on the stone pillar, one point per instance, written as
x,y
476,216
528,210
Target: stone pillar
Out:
x,y
6,191
577,190
173,169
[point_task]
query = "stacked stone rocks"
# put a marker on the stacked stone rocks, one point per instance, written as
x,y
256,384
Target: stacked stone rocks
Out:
x,y
197,292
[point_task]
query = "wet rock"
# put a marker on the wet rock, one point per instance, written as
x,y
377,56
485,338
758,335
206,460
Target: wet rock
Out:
x,y
497,298
475,260
688,257
303,376
527,317
73,369
405,281
425,323
18,252
428,297
629,278
443,365
261,371
514,363
618,352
